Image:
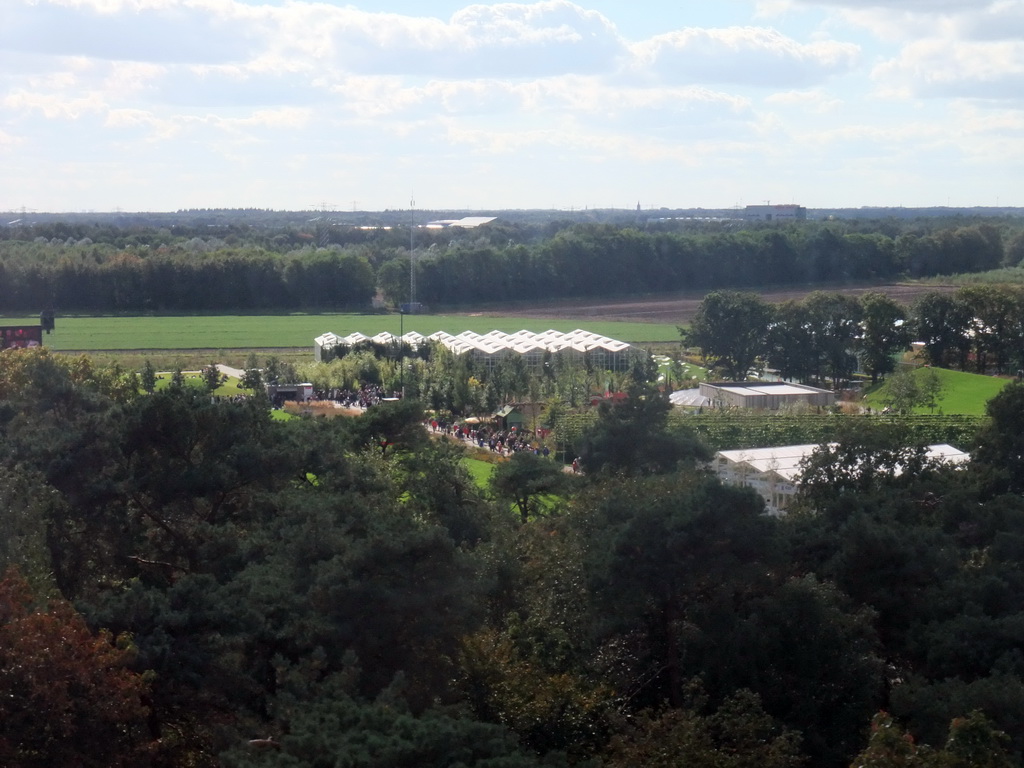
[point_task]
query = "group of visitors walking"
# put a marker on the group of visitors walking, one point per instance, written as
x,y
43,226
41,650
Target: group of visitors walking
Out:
x,y
503,441
364,397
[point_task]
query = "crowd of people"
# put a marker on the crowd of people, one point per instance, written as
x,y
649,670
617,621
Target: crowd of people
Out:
x,y
502,441
364,397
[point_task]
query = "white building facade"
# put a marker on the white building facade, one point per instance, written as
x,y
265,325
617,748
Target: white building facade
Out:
x,y
775,472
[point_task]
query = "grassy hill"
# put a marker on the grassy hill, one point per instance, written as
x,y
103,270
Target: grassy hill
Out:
x,y
962,393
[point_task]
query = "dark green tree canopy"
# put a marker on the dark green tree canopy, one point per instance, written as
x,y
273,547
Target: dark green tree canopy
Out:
x,y
884,334
524,477
731,329
632,438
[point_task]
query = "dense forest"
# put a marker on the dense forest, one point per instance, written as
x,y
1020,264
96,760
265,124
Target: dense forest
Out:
x,y
192,583
236,267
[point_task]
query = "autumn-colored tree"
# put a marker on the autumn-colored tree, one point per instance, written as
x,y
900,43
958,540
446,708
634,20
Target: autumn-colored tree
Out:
x,y
973,743
737,735
67,696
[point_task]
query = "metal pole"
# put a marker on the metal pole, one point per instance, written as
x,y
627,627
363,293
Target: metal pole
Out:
x,y
401,350
412,258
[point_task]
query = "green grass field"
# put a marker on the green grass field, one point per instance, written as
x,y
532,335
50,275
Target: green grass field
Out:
x,y
229,388
84,334
480,471
962,393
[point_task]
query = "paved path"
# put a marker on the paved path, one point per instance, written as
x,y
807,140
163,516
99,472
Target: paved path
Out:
x,y
229,371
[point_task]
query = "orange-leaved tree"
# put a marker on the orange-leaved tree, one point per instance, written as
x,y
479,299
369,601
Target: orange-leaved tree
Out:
x,y
67,695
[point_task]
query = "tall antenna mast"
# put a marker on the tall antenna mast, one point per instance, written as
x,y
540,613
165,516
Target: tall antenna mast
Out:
x,y
412,257
323,225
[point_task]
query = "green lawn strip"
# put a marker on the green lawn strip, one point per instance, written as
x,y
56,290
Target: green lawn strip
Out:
x,y
229,388
962,393
690,370
74,334
480,471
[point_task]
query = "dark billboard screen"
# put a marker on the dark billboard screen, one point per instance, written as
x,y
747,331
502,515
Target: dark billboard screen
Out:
x,y
20,336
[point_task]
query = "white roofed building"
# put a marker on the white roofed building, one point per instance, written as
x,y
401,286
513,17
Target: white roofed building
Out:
x,y
489,348
775,472
466,222
764,395
770,212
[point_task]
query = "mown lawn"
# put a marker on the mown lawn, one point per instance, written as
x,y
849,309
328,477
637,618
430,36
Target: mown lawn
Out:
x,y
194,379
962,393
480,471
73,334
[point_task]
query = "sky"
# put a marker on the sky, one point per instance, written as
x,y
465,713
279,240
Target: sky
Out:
x,y
162,105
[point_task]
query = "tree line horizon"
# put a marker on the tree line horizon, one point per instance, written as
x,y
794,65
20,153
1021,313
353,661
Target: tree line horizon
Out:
x,y
93,268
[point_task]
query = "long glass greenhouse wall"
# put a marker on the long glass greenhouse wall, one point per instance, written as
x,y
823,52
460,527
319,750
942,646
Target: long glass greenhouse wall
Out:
x,y
488,349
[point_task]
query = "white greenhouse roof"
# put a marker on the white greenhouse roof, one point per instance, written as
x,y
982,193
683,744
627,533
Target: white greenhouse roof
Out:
x,y
772,389
785,460
689,397
490,343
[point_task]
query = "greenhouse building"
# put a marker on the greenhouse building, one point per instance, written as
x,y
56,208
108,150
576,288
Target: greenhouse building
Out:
x,y
488,349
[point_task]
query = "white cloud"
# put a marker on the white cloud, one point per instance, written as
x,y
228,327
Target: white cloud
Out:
x,y
7,141
815,99
942,68
53,106
907,20
942,49
743,55
503,97
152,128
922,6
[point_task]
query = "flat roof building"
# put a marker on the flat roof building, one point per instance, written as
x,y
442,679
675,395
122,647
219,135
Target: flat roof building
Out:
x,y
775,213
764,395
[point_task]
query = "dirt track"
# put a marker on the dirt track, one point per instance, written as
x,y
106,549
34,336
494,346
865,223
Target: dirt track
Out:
x,y
681,309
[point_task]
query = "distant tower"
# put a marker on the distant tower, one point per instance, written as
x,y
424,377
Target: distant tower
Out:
x,y
412,255
323,226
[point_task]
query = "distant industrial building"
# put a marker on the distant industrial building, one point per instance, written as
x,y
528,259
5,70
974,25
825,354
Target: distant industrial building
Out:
x,y
763,395
466,222
775,213
488,349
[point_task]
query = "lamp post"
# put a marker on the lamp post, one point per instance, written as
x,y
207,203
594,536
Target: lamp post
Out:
x,y
401,350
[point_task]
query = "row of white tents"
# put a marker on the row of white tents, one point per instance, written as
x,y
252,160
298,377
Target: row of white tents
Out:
x,y
489,348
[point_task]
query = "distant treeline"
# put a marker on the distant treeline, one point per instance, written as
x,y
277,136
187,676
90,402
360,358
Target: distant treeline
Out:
x,y
156,271
225,280
607,261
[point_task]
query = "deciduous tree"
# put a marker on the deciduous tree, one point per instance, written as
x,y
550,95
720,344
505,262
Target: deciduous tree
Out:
x,y
67,697
525,477
731,329
884,334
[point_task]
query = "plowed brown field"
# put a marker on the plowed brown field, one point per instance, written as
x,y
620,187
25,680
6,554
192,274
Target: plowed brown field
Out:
x,y
681,309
